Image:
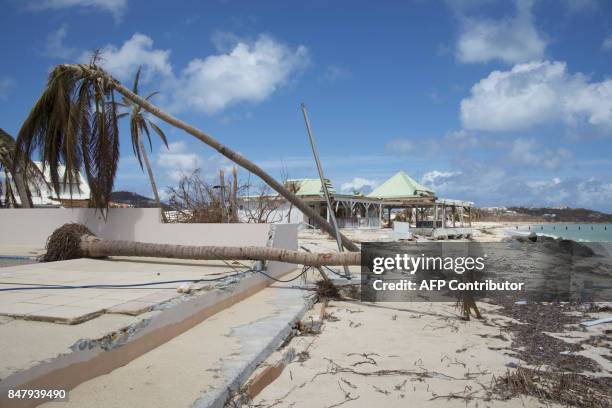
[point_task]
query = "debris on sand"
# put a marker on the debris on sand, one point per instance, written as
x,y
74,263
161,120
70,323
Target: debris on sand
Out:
x,y
568,389
533,345
326,289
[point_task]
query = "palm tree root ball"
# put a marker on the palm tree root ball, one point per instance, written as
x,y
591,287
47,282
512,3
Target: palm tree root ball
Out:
x,y
65,243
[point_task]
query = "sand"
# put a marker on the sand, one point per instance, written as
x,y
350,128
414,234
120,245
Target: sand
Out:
x,y
411,353
396,355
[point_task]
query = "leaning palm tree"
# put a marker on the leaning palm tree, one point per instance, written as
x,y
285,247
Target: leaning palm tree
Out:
x,y
138,127
74,123
24,177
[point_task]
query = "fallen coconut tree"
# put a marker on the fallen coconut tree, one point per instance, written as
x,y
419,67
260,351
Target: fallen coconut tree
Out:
x,y
72,241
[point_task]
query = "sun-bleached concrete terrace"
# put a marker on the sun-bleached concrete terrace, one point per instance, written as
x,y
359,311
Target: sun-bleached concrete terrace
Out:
x,y
201,366
62,356
73,306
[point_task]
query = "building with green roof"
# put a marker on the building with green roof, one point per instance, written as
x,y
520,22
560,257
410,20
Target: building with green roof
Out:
x,y
401,186
403,198
309,187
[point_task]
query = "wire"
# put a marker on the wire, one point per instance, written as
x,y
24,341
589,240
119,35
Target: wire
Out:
x,y
327,267
33,286
304,270
341,275
118,286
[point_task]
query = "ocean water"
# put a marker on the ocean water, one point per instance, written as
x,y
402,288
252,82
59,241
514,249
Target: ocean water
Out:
x,y
575,232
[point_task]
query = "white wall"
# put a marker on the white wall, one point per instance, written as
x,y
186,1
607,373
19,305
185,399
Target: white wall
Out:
x,y
31,227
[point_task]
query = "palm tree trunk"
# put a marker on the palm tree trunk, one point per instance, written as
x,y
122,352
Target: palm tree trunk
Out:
x,y
224,150
147,164
21,185
22,189
94,247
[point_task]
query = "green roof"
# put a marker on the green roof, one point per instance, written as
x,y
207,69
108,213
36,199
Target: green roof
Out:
x,y
400,185
311,187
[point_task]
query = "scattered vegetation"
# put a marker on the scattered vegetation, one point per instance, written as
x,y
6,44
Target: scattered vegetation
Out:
x,y
568,389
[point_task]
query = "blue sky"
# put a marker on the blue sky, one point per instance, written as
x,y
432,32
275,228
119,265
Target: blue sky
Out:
x,y
498,102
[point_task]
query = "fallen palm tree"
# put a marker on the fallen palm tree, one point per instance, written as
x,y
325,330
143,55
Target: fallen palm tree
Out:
x,y
72,241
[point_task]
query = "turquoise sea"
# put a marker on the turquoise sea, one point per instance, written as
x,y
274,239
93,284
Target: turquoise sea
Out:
x,y
575,232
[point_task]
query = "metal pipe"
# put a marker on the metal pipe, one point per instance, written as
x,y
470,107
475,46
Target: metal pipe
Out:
x,y
330,210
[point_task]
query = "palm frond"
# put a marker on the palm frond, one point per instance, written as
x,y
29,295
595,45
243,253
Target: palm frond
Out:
x,y
144,128
74,124
138,122
135,134
31,173
152,94
135,87
159,132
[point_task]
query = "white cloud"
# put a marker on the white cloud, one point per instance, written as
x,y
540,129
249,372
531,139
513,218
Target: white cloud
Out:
x,y
176,161
527,152
439,180
6,86
589,193
115,7
123,61
593,193
511,39
55,46
607,43
249,72
179,160
535,93
359,184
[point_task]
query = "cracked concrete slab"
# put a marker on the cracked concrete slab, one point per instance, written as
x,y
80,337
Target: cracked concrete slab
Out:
x,y
202,366
69,357
72,306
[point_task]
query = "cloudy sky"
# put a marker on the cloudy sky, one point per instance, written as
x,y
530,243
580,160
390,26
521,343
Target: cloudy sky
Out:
x,y
498,102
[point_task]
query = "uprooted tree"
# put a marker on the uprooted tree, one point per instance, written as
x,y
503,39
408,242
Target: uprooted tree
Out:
x,y
74,123
72,241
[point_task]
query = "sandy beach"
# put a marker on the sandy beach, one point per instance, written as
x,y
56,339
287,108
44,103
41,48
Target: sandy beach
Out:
x,y
400,354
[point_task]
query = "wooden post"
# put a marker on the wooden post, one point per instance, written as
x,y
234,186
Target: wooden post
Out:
x,y
443,216
435,217
222,194
234,195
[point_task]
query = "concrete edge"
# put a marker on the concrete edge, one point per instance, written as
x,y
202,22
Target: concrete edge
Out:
x,y
218,399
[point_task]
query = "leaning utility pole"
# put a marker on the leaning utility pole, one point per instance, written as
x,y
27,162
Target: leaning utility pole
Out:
x,y
330,210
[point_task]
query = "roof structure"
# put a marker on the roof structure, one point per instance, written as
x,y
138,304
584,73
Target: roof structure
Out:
x,y
42,195
311,187
401,185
